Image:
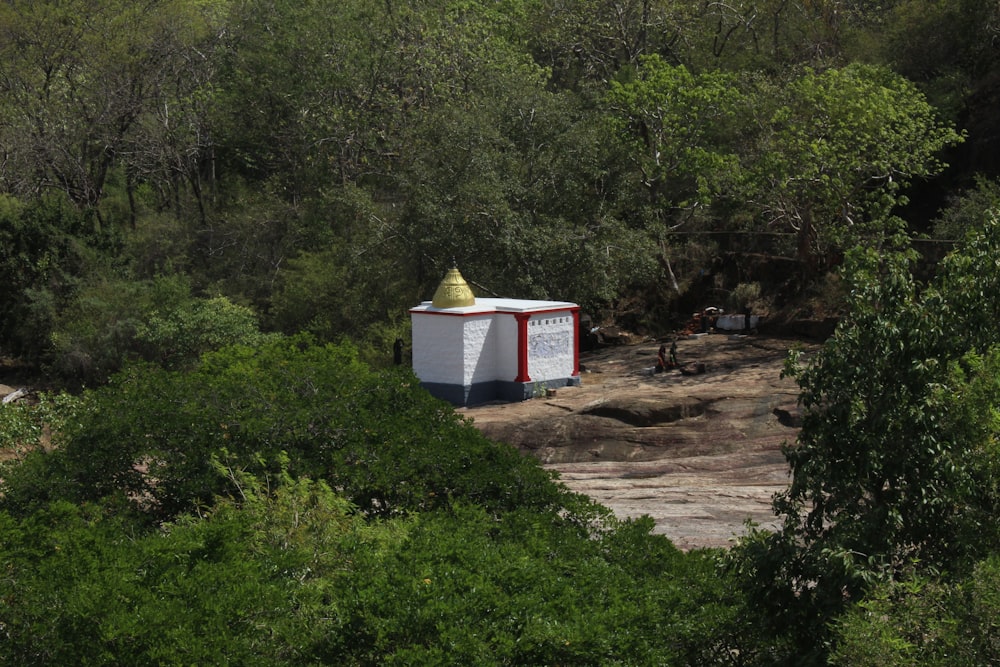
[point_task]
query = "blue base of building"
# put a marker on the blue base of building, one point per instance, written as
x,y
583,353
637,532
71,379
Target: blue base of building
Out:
x,y
485,392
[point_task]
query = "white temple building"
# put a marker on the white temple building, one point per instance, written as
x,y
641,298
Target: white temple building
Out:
x,y
468,350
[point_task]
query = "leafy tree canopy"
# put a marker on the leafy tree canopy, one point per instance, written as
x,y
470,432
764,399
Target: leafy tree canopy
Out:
x,y
148,437
289,504
895,470
836,153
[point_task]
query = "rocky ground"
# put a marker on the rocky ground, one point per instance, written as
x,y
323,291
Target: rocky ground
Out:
x,y
698,453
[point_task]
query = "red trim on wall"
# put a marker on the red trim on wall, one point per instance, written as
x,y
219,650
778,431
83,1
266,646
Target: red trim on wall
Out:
x,y
575,312
522,347
523,318
515,313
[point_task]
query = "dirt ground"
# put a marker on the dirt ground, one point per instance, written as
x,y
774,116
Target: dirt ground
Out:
x,y
699,453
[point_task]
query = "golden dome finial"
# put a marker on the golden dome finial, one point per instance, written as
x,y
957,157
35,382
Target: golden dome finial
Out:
x,y
453,292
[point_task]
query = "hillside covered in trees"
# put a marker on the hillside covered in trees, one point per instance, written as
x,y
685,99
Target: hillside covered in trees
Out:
x,y
214,215
176,172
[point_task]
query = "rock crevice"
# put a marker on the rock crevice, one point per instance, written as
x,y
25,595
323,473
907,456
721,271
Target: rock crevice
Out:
x,y
645,413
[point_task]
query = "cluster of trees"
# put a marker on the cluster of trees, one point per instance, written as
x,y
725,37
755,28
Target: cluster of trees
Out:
x,y
287,503
322,163
187,185
889,531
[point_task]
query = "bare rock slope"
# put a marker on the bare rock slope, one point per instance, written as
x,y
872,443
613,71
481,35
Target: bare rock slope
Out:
x,y
699,453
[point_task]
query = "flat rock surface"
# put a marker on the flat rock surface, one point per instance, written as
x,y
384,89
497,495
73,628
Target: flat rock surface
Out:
x,y
700,453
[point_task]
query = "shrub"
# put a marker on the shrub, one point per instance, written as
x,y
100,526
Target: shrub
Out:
x,y
376,435
110,323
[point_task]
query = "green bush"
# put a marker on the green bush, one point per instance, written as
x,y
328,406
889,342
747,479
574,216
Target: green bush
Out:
x,y
49,247
289,574
895,471
466,587
27,426
245,584
376,435
925,622
109,323
191,518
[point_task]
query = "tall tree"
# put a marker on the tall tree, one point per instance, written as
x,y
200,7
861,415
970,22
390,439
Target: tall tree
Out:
x,y
76,81
676,125
777,34
895,470
587,43
834,151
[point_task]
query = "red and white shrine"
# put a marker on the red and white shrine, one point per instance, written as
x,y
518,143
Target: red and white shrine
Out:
x,y
468,350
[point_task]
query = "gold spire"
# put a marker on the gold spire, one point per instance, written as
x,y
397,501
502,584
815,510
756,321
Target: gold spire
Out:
x,y
453,292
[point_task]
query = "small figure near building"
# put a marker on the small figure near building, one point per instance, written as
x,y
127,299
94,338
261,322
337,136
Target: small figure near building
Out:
x,y
665,360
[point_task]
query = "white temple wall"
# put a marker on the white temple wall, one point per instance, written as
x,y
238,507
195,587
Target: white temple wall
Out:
x,y
437,341
506,347
472,354
550,346
479,349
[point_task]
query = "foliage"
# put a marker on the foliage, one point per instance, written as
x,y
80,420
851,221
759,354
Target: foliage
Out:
x,y
149,436
109,323
590,41
895,469
947,47
181,335
925,622
745,295
676,123
461,550
323,163
836,150
469,588
48,249
967,209
20,428
88,87
248,584
25,426
287,574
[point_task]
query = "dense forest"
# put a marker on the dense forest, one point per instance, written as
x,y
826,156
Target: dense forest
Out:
x,y
214,215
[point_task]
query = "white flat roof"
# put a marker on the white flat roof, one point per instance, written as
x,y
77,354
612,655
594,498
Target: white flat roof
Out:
x,y
497,306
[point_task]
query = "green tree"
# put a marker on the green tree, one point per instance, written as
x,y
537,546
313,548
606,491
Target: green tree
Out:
x,y
147,438
458,549
587,43
108,323
286,572
895,469
520,588
49,249
925,622
248,582
966,210
834,152
776,35
948,48
91,86
675,124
